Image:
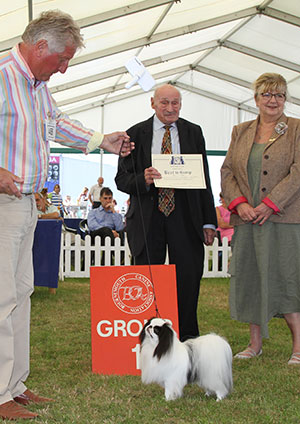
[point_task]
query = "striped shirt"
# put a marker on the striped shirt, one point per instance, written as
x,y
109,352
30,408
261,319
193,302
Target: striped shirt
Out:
x,y
25,106
56,199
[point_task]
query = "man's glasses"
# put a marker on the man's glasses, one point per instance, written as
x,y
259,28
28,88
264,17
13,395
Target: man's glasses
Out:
x,y
277,96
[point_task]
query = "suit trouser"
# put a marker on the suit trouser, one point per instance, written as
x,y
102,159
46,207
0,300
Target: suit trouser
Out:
x,y
106,232
18,218
186,251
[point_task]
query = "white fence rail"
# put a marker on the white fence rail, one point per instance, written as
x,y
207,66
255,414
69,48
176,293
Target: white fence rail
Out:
x,y
78,255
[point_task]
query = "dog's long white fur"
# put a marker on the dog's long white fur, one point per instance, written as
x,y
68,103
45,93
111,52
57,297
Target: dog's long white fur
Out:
x,y
205,360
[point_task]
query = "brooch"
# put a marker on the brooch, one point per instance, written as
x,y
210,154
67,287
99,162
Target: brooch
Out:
x,y
281,128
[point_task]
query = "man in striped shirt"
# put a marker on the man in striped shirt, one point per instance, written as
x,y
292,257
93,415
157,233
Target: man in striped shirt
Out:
x,y
29,120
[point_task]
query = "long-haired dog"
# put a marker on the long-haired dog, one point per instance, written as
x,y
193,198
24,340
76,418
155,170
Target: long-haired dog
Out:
x,y
205,360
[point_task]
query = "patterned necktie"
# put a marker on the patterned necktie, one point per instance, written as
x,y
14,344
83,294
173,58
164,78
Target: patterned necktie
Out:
x,y
166,196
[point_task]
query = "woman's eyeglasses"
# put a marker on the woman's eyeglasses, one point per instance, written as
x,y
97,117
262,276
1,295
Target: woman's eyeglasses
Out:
x,y
277,96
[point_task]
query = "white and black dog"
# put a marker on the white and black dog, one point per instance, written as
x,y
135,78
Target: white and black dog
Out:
x,y
205,360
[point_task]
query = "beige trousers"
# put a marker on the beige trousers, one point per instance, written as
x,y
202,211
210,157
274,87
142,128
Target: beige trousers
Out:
x,y
18,220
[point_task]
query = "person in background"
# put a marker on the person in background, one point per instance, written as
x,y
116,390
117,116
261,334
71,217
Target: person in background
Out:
x,y
260,184
83,197
56,199
116,207
223,217
46,210
29,121
44,193
105,221
94,196
180,219
82,202
67,205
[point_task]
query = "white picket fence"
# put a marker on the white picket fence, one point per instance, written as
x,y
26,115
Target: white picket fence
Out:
x,y
78,255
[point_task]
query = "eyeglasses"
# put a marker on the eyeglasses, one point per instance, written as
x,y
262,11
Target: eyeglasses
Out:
x,y
277,96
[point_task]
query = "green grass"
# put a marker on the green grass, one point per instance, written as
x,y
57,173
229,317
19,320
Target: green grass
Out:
x,y
266,389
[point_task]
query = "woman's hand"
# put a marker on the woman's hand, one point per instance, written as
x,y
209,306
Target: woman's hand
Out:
x,y
246,212
263,213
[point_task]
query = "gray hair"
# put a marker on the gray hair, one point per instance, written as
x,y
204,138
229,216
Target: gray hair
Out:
x,y
57,28
164,86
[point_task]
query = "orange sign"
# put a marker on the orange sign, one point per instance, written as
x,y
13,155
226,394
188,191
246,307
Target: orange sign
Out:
x,y
122,300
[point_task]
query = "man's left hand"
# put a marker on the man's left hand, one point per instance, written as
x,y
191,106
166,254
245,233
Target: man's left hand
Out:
x,y
209,236
118,143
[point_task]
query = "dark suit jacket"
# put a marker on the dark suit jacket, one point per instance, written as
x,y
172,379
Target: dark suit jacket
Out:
x,y
130,179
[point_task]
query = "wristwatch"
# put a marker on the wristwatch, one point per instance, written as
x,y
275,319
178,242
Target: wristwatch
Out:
x,y
39,216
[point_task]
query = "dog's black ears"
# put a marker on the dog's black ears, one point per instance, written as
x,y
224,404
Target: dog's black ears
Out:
x,y
165,336
143,332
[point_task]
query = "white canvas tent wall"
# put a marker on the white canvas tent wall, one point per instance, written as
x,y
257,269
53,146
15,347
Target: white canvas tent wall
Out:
x,y
211,49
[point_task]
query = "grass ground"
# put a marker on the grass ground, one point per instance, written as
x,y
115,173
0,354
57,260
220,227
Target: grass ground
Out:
x,y
266,389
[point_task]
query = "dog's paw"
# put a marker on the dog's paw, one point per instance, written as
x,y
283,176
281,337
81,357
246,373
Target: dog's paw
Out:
x,y
219,396
172,395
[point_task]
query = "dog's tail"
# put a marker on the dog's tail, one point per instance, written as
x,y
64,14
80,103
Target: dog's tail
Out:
x,y
212,364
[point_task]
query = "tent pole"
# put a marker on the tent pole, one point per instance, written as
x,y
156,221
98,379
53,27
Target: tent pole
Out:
x,y
101,150
239,115
30,10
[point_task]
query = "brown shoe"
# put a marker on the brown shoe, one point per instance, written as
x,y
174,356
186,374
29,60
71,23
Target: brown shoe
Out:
x,y
29,397
12,411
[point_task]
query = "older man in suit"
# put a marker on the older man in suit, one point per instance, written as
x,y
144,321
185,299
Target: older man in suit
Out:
x,y
182,219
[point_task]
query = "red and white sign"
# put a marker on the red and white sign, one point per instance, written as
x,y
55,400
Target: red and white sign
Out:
x,y
122,300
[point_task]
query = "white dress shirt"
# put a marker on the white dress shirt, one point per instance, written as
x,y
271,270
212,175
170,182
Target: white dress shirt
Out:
x,y
158,134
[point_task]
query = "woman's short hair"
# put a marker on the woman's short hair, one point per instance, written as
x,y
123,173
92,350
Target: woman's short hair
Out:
x,y
269,82
58,28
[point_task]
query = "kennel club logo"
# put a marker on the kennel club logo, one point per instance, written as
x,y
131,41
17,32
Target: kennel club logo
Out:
x,y
133,293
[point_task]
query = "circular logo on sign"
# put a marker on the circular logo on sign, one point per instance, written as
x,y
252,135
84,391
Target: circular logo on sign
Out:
x,y
133,293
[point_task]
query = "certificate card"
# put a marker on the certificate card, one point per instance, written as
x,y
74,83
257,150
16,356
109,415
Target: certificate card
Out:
x,y
179,171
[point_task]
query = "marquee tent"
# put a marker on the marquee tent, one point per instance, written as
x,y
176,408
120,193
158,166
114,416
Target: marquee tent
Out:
x,y
211,49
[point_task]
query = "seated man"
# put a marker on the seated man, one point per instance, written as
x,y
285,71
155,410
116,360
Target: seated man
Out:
x,y
45,210
105,221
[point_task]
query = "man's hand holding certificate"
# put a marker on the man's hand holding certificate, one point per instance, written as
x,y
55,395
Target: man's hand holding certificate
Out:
x,y
179,171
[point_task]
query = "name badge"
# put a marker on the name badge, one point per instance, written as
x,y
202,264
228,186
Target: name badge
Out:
x,y
50,129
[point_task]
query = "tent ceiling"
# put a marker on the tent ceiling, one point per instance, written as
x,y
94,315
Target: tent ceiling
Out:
x,y
214,48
